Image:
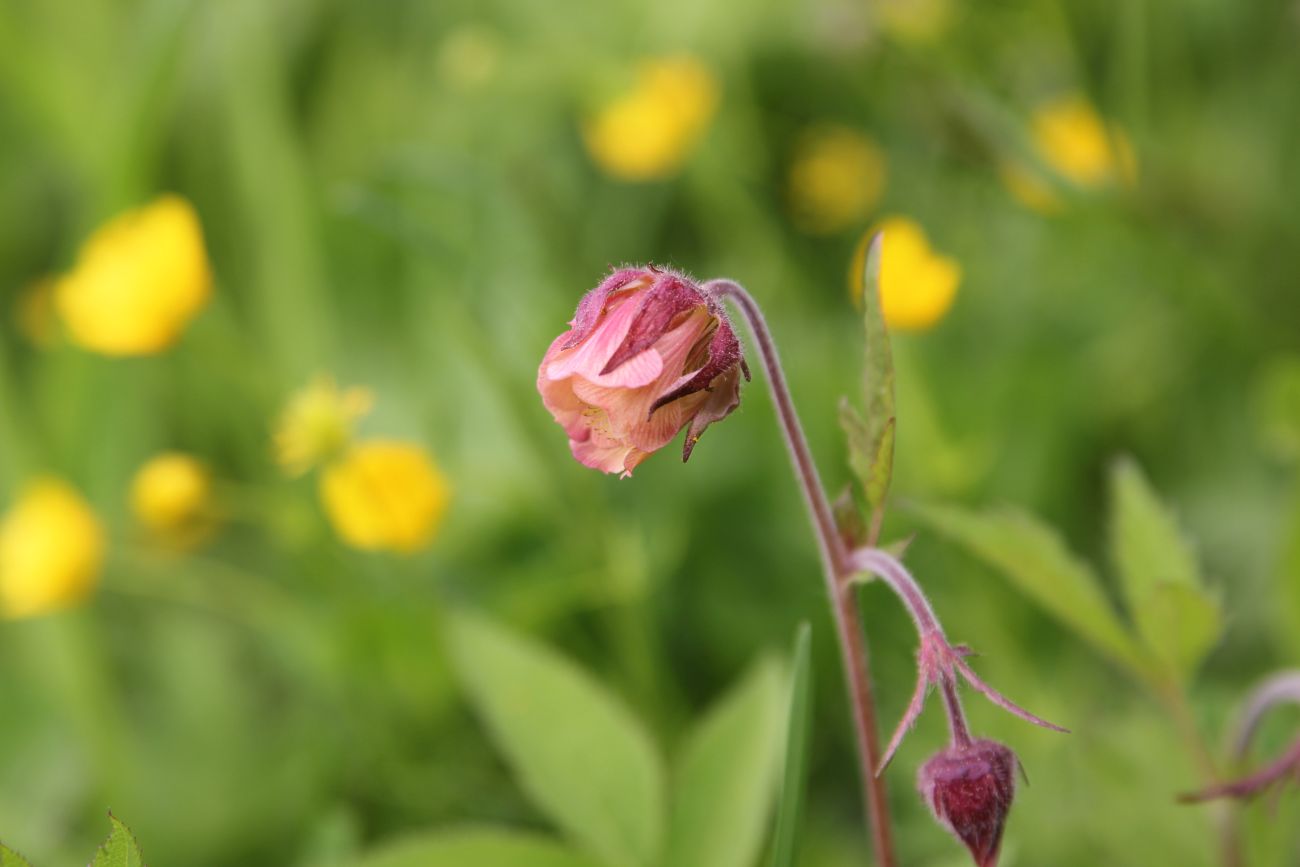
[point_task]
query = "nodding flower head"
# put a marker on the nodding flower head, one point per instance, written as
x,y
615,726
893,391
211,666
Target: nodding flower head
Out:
x,y
969,789
647,354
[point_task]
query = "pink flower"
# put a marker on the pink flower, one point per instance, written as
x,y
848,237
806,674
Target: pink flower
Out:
x,y
969,790
647,354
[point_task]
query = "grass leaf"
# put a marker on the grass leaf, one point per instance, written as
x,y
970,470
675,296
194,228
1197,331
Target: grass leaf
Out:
x,y
577,752
485,847
726,778
785,839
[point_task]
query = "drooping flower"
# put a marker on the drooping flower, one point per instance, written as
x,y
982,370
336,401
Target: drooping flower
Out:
x,y
138,280
969,789
316,424
917,284
648,353
836,178
385,495
51,550
171,497
648,132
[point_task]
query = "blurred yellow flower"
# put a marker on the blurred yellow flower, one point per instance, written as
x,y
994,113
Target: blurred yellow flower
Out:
x,y
1072,138
917,285
914,21
36,316
171,497
316,424
836,178
1029,188
51,550
385,495
648,132
138,280
469,57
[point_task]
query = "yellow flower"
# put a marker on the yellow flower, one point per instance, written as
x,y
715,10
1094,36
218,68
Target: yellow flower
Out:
x,y
914,21
35,314
1071,137
316,425
1029,189
469,57
171,497
385,495
835,179
138,280
649,131
51,550
917,285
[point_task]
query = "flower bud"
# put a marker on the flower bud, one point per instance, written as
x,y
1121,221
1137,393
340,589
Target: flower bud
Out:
x,y
969,790
647,354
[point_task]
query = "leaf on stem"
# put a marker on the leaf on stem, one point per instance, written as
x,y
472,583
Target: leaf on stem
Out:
x,y
871,439
10,858
1177,618
1032,556
120,849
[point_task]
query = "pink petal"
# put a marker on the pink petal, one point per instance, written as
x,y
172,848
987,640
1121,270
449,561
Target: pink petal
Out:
x,y
590,357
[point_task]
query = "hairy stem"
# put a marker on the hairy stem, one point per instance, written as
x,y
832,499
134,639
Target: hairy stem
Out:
x,y
837,571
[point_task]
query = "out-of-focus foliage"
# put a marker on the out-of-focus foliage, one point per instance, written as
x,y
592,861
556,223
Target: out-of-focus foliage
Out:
x,y
404,196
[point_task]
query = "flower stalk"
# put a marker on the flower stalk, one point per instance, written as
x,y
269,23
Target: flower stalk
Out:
x,y
838,571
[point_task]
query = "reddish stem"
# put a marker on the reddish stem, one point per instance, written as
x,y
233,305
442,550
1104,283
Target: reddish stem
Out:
x,y
836,569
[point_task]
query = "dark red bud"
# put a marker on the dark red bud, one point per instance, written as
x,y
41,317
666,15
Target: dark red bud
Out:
x,y
969,790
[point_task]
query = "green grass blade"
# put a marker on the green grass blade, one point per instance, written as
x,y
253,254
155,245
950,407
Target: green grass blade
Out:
x,y
785,839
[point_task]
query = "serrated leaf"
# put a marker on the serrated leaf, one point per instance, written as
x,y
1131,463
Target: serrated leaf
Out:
x,y
10,858
1033,557
120,849
725,781
1145,540
577,753
871,439
1181,623
789,814
485,847
1176,617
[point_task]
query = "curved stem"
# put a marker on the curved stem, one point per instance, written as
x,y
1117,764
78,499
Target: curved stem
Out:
x,y
836,570
894,574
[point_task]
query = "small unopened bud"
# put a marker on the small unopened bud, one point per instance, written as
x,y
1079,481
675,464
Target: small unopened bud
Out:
x,y
647,354
969,790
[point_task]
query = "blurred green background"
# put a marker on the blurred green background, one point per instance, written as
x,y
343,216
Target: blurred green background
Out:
x,y
398,193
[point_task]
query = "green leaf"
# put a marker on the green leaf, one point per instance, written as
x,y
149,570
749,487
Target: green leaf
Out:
x,y
726,778
871,440
120,849
10,858
1181,623
486,847
1146,543
785,839
1176,617
1033,557
576,751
